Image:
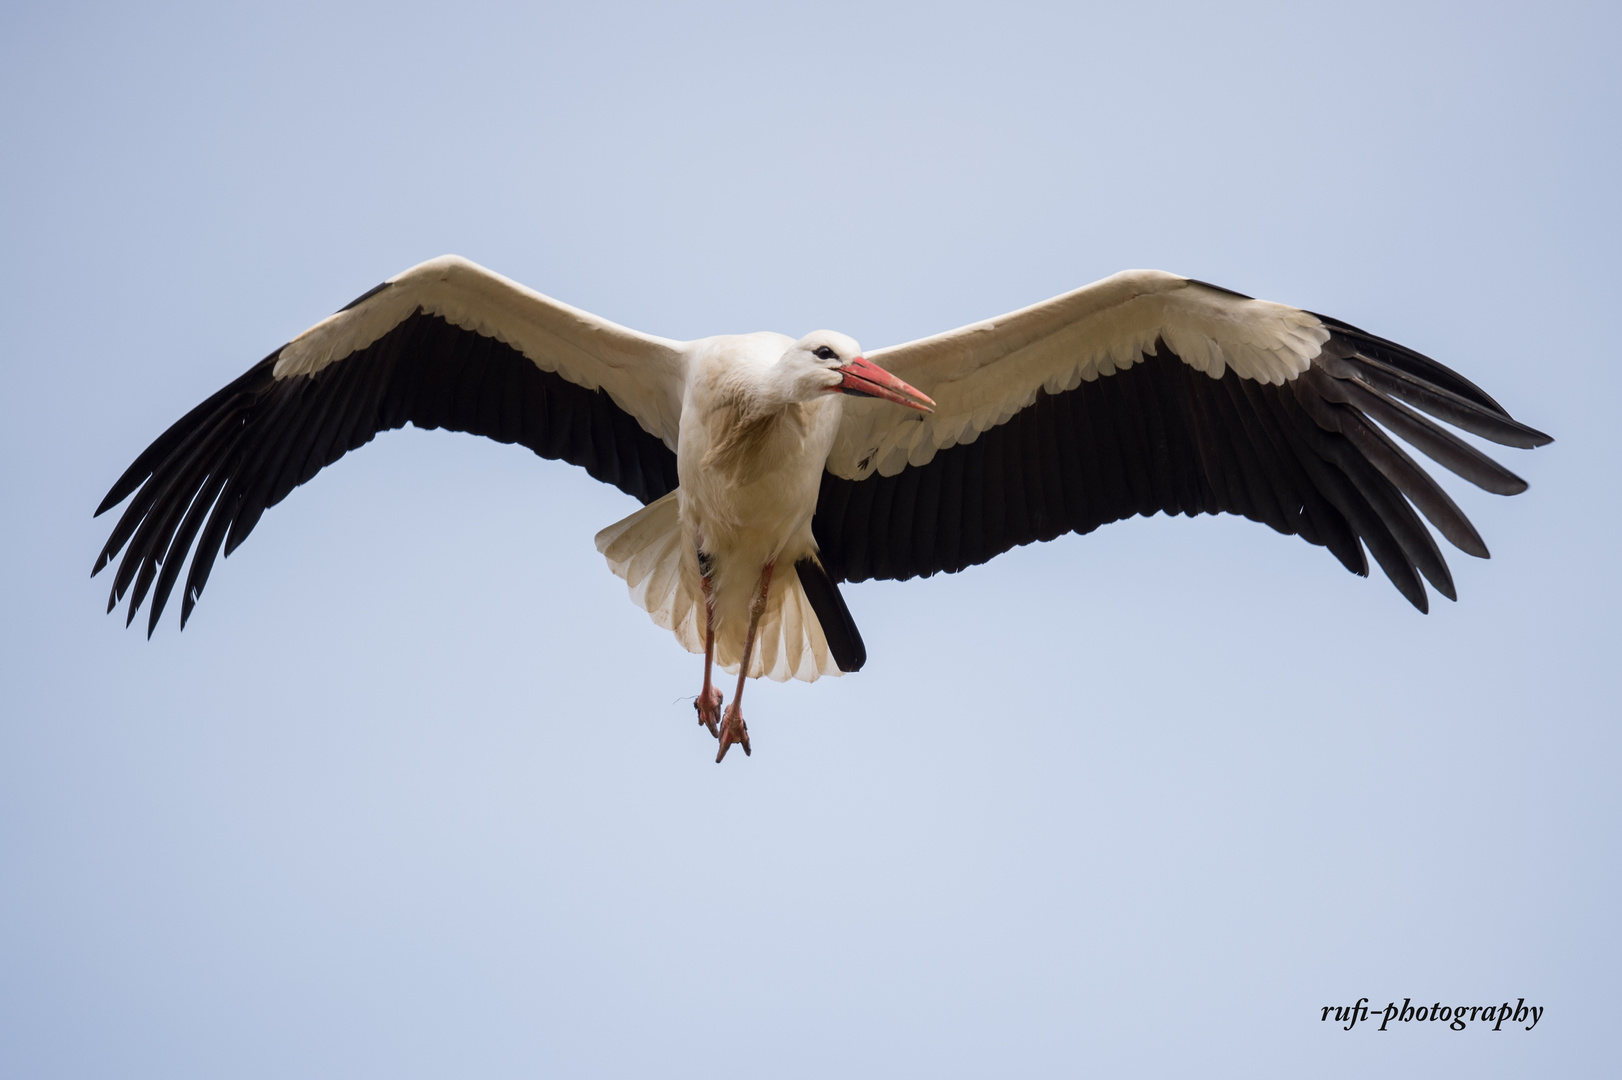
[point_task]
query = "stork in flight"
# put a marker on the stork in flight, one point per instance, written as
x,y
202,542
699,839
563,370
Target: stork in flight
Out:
x,y
772,469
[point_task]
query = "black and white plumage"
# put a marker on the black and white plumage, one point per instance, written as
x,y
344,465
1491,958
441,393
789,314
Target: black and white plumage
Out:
x,y
1142,393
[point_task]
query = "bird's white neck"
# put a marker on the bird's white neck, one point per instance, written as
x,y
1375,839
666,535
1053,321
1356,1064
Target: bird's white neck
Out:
x,y
781,387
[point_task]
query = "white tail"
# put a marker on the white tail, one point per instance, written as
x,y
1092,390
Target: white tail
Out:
x,y
649,552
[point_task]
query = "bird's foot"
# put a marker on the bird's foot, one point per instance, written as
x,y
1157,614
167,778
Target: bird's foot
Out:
x,y
708,706
733,730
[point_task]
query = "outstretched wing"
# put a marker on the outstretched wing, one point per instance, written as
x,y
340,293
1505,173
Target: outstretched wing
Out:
x,y
446,344
1149,392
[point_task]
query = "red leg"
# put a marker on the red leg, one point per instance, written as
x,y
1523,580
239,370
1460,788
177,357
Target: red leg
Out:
x,y
733,729
709,698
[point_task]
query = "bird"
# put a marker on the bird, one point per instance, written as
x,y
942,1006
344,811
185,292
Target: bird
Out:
x,y
773,469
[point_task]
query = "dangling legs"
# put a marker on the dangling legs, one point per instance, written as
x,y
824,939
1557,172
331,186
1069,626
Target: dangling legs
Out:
x,y
733,729
709,698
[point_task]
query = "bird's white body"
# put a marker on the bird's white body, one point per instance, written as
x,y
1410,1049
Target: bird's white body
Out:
x,y
749,454
749,458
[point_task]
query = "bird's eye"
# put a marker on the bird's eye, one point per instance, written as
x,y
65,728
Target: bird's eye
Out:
x,y
822,352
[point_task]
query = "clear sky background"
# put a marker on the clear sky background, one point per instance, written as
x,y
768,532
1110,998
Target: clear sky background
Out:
x,y
419,792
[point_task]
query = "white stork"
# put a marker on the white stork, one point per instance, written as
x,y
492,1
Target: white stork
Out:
x,y
772,469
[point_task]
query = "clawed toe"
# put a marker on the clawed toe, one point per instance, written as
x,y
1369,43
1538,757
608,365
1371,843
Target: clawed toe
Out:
x,y
733,730
708,706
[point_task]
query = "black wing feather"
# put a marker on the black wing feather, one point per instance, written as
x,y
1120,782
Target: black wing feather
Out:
x,y
212,475
1306,458
838,628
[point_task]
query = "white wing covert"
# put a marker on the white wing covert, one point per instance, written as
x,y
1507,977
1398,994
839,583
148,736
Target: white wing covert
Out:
x,y
643,374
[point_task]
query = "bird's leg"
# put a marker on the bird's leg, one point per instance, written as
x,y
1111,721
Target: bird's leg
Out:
x,y
709,698
733,729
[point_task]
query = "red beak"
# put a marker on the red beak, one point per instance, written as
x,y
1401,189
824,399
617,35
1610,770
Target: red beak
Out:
x,y
863,378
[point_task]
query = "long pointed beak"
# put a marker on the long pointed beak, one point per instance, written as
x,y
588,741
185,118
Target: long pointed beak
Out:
x,y
863,378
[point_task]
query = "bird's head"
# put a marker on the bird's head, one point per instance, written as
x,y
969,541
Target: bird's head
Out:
x,y
827,362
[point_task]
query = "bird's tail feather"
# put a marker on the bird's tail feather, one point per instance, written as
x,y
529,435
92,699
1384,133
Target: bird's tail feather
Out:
x,y
649,552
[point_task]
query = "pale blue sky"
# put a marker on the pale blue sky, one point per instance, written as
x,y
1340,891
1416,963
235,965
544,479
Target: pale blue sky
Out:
x,y
419,793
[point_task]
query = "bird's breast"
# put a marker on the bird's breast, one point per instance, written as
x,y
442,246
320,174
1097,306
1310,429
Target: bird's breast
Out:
x,y
751,480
